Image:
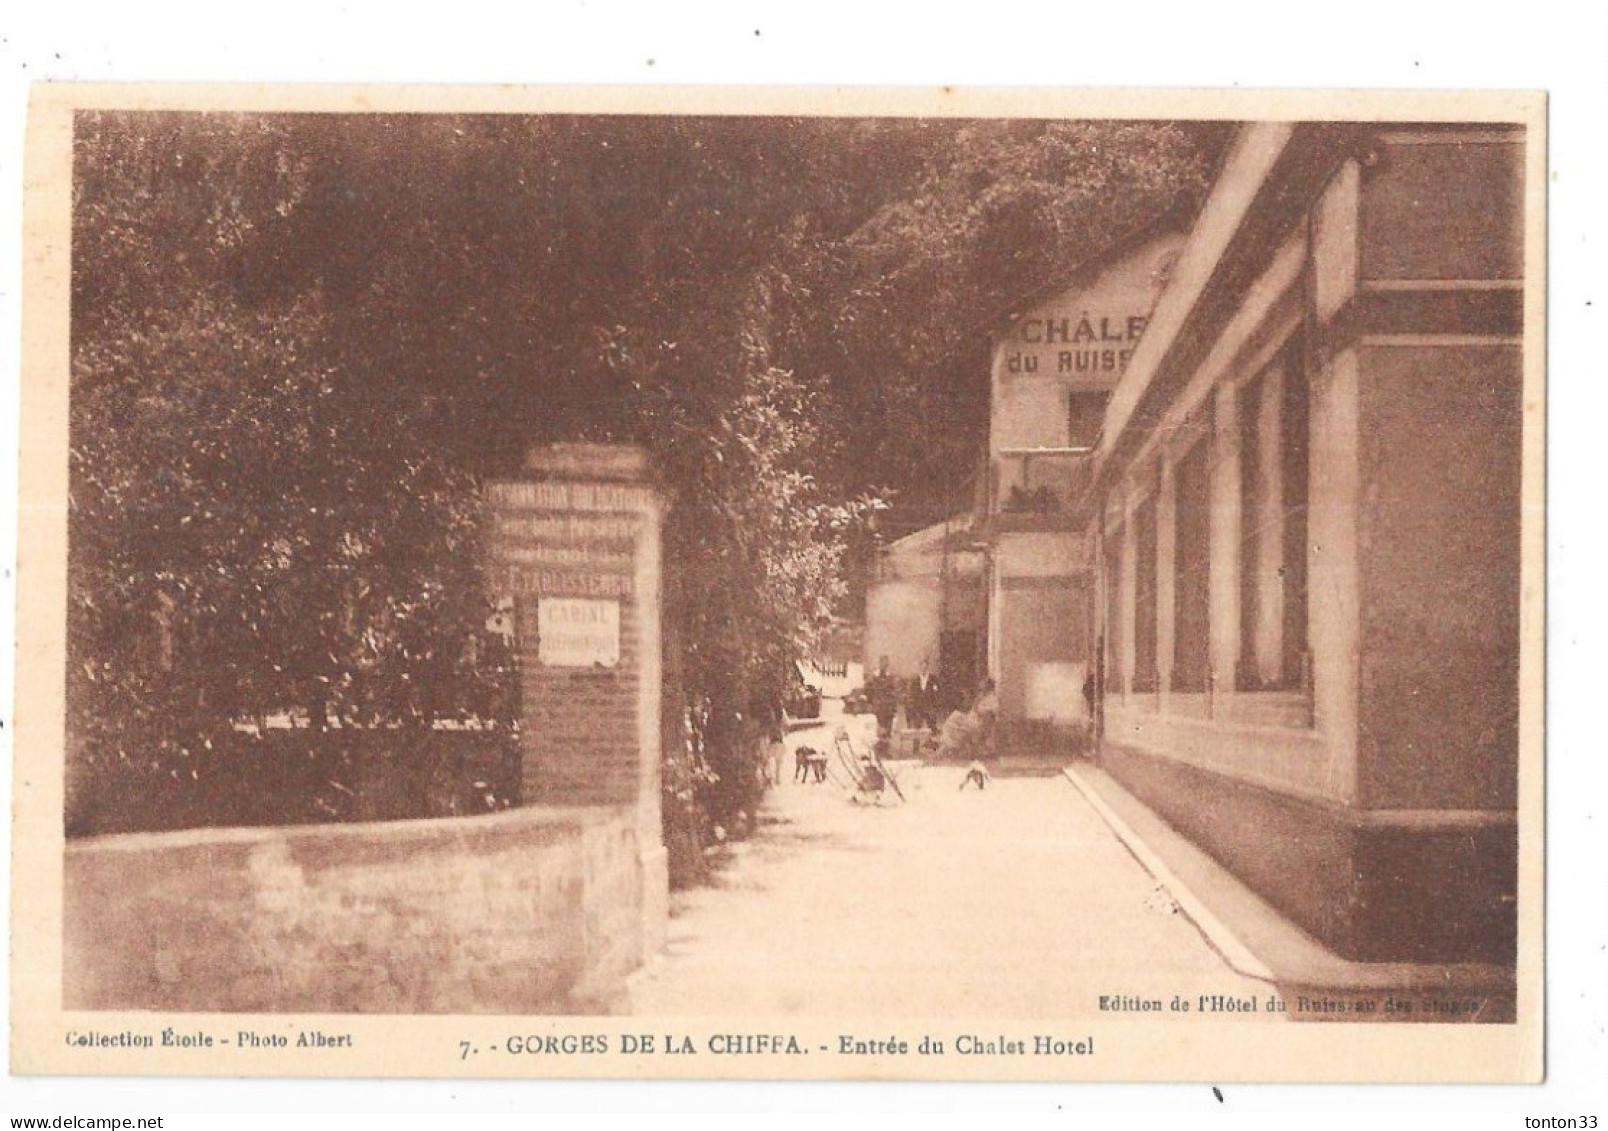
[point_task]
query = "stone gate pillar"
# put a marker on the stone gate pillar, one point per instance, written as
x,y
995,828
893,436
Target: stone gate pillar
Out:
x,y
575,542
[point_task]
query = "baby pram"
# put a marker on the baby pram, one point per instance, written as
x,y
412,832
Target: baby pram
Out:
x,y
864,775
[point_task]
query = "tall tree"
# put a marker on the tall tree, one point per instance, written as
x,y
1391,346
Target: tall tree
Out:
x,y
300,340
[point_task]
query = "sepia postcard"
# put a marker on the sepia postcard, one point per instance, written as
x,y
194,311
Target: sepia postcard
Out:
x,y
781,584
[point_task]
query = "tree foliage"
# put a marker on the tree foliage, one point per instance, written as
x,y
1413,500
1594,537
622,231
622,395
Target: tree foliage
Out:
x,y
301,341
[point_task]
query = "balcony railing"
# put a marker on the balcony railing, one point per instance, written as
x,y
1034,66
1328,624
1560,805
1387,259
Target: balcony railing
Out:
x,y
1040,488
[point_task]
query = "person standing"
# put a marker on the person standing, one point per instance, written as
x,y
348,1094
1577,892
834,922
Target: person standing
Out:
x,y
775,752
883,691
924,699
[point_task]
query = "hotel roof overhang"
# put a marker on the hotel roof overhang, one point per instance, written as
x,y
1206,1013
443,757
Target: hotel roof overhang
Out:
x,y
954,535
1271,173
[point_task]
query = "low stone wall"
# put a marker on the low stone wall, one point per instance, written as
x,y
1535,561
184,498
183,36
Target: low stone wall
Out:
x,y
527,911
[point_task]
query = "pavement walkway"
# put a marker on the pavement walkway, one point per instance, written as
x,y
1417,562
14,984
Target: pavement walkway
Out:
x,y
1016,902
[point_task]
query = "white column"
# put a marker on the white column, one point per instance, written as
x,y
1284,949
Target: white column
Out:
x,y
1332,567
1125,599
1225,542
1270,528
1166,575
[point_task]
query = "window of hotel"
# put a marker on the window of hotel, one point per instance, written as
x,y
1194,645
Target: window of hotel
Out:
x,y
1192,571
1273,422
1144,604
1085,418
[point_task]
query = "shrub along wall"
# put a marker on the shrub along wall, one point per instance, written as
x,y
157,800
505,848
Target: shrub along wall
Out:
x,y
296,777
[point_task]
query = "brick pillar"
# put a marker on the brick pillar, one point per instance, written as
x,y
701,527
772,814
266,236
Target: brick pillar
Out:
x,y
575,542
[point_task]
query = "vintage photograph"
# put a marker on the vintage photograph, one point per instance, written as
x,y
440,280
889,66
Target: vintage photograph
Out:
x,y
900,593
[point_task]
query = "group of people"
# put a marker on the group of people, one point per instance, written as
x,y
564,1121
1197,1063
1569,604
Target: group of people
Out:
x,y
924,702
929,707
964,726
967,732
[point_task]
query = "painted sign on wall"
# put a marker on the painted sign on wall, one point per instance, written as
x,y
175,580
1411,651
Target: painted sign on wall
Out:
x,y
1085,336
1081,345
564,539
574,633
